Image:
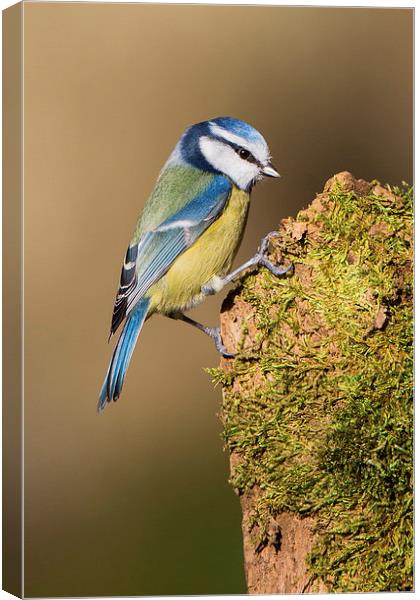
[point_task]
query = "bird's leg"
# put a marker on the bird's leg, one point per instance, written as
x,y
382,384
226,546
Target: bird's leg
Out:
x,y
259,259
213,332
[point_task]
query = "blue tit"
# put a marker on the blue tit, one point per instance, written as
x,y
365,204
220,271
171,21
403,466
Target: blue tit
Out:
x,y
188,233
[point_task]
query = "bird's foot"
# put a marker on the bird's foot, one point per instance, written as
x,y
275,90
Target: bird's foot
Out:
x,y
214,332
215,284
263,260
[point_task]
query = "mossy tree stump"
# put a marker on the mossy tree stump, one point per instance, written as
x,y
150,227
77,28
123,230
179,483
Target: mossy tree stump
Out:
x,y
317,404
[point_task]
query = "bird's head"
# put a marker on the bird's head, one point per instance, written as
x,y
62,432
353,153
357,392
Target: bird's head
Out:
x,y
228,146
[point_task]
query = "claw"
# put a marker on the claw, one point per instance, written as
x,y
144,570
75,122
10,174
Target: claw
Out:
x,y
214,332
266,240
273,269
263,260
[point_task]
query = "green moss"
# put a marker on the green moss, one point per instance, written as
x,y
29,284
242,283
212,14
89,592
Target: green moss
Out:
x,y
321,411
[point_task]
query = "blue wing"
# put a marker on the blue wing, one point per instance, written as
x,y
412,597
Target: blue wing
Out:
x,y
147,261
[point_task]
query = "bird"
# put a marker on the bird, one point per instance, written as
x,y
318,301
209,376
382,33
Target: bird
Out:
x,y
188,234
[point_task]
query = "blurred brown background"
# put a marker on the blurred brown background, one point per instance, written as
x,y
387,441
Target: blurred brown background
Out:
x,y
136,501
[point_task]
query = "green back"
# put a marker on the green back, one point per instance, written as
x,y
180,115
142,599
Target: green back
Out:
x,y
175,187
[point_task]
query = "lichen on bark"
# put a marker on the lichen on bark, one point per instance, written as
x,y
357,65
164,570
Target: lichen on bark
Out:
x,y
317,404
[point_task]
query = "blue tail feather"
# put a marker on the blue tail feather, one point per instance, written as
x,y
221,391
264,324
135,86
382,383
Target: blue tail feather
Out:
x,y
114,379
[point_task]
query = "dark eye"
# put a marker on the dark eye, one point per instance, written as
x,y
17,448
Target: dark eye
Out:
x,y
245,154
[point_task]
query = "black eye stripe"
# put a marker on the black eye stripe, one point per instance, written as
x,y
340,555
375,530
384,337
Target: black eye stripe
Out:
x,y
245,154
250,158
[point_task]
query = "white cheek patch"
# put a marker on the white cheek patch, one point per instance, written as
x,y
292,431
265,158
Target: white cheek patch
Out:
x,y
224,158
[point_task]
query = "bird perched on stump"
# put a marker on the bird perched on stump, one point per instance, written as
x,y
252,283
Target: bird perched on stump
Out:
x,y
188,233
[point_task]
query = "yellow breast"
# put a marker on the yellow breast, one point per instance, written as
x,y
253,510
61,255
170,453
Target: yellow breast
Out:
x,y
211,255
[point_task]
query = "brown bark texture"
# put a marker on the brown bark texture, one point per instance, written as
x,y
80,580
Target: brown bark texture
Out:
x,y
278,537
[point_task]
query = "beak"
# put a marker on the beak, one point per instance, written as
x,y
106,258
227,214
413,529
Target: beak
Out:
x,y
270,171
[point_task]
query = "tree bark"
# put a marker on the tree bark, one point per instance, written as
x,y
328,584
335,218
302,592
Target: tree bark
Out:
x,y
317,403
